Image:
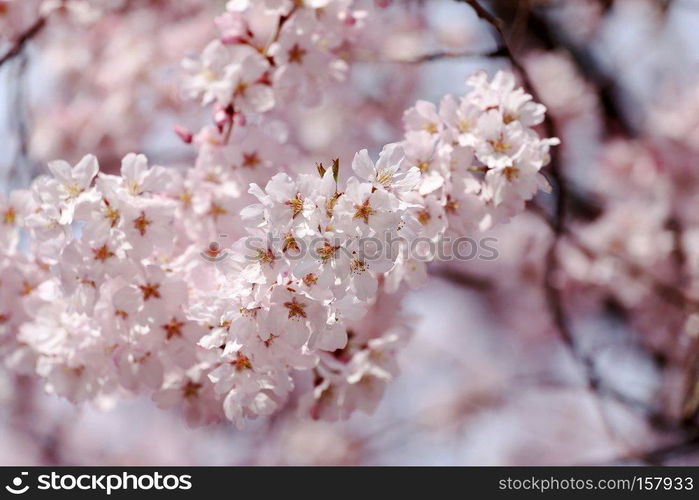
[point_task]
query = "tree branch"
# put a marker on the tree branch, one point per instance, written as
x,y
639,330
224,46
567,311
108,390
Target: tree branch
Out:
x,y
558,221
547,34
462,278
558,225
686,446
22,40
437,56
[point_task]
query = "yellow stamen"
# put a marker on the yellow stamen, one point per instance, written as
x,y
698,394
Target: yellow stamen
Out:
x,y
296,205
186,198
27,288
310,279
499,145
451,205
10,216
357,266
327,251
290,243
266,256
424,217
511,173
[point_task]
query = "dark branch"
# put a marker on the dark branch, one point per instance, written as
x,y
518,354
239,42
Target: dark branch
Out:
x,y
557,223
22,40
547,34
549,125
687,446
560,197
461,278
441,55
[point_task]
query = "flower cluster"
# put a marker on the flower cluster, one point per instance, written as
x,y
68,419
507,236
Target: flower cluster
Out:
x,y
303,272
130,307
272,52
125,295
110,315
479,156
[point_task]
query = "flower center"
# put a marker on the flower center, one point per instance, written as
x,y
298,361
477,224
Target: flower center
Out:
x,y
249,312
173,328
511,173
327,251
357,266
310,279
251,160
266,256
73,190
111,214
9,217
296,54
499,145
27,288
190,390
217,210
432,128
290,243
240,89
363,211
150,290
296,205
142,223
270,340
384,176
102,253
186,198
242,362
296,309
451,205
424,217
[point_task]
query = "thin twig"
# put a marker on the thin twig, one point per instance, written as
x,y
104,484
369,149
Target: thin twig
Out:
x,y
686,446
558,222
22,40
548,124
462,278
437,56
547,34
